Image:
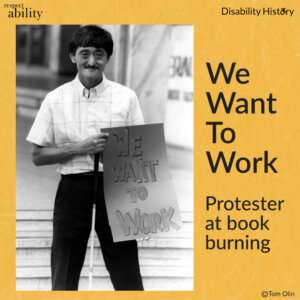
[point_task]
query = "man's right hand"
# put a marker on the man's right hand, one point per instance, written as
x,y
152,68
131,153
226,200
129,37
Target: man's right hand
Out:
x,y
93,144
52,155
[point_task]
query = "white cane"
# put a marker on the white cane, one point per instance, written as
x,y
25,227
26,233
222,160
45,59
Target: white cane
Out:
x,y
96,167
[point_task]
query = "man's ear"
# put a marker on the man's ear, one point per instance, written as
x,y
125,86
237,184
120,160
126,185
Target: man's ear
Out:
x,y
72,56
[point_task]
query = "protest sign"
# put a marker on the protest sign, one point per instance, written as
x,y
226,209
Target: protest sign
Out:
x,y
139,195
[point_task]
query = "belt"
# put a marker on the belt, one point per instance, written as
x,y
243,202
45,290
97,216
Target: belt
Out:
x,y
84,174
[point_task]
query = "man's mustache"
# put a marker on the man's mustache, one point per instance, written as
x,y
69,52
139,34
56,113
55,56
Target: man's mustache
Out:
x,y
90,67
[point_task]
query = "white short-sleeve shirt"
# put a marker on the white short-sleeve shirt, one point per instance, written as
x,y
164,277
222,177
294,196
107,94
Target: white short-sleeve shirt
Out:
x,y
71,113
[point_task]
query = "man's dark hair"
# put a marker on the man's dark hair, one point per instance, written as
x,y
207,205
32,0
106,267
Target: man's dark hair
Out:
x,y
92,36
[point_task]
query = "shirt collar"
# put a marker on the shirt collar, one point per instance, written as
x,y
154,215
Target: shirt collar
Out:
x,y
83,90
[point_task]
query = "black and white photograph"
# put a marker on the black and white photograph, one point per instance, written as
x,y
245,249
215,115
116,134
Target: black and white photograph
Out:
x,y
104,157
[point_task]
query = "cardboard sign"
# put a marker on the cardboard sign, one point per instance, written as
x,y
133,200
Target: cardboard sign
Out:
x,y
139,195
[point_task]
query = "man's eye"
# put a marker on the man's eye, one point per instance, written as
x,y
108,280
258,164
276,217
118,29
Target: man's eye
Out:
x,y
84,54
98,55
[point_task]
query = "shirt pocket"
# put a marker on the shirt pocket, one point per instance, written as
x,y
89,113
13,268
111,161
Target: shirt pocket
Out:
x,y
119,112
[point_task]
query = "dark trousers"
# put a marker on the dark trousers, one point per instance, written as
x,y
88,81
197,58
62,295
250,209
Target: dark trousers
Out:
x,y
71,230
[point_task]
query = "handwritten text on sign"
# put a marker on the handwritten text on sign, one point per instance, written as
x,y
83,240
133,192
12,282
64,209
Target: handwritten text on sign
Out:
x,y
139,195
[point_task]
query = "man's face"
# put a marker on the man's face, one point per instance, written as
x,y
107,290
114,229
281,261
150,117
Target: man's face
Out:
x,y
90,62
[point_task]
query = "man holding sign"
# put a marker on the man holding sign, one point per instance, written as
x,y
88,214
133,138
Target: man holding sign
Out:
x,y
67,131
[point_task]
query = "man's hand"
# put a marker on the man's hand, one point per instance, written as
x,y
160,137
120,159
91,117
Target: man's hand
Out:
x,y
52,155
93,144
